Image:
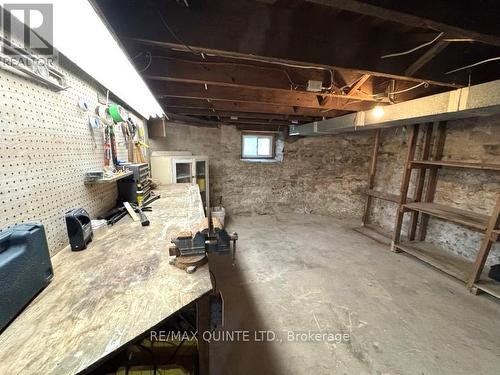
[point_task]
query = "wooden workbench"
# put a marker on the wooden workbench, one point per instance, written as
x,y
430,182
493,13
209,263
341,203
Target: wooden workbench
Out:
x,y
104,297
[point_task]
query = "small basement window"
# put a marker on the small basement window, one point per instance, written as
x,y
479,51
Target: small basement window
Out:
x,y
257,146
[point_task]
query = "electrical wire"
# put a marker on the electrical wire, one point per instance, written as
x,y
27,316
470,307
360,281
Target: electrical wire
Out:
x,y
425,84
292,83
473,65
282,63
175,35
150,60
413,49
349,85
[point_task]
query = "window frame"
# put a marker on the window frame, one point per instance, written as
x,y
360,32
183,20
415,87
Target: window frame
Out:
x,y
272,135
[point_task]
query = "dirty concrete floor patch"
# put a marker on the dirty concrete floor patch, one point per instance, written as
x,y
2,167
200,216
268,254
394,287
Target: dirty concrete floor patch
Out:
x,y
309,272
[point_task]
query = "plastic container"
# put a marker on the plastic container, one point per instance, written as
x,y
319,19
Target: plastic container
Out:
x,y
99,228
219,212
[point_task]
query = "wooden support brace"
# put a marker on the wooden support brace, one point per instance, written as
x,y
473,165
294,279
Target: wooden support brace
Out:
x,y
420,180
433,175
371,177
405,183
485,245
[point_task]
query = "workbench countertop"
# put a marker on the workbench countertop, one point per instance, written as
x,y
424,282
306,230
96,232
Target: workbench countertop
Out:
x,y
106,296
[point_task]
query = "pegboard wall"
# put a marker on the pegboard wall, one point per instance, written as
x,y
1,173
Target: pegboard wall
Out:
x,y
46,146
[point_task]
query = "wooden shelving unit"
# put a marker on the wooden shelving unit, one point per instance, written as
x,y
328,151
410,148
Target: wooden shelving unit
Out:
x,y
447,262
468,218
487,285
368,229
423,207
375,233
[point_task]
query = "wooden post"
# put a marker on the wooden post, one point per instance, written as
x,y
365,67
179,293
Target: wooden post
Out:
x,y
485,246
371,177
405,183
433,174
420,180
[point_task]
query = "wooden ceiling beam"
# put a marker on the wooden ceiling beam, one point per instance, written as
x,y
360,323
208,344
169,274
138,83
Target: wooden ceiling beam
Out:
x,y
249,127
190,120
432,52
408,19
247,95
247,115
217,105
236,76
278,61
261,121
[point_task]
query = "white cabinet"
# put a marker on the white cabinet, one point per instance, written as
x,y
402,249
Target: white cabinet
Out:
x,y
181,167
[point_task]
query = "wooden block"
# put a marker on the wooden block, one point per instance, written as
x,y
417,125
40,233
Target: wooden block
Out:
x,y
184,262
186,234
173,250
131,211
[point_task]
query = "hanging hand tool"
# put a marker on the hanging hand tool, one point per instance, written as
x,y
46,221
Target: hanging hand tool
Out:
x,y
107,146
112,139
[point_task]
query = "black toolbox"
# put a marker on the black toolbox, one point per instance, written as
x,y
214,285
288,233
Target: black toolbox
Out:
x,y
25,268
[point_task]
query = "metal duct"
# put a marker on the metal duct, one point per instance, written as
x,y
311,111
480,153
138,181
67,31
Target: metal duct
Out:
x,y
478,100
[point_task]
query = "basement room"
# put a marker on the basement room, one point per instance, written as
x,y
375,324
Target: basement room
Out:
x,y
226,187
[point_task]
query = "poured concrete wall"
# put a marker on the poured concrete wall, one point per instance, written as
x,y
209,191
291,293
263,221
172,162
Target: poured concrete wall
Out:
x,y
327,175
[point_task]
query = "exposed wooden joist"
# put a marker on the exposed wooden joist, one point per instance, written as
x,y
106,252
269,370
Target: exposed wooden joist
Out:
x,y
236,76
217,105
207,112
408,19
246,95
243,56
191,120
257,123
246,127
426,57
358,84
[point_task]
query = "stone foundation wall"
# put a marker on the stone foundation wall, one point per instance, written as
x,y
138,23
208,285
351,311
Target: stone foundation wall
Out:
x,y
321,175
327,175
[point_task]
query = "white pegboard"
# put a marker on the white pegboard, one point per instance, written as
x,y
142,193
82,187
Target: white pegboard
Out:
x,y
46,146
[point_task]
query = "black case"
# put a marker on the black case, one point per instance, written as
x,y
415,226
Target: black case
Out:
x,y
25,268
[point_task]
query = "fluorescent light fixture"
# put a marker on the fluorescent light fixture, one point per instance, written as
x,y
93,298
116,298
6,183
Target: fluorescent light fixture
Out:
x,y
81,35
378,111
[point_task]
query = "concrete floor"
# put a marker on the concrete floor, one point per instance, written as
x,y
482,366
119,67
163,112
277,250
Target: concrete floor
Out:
x,y
313,273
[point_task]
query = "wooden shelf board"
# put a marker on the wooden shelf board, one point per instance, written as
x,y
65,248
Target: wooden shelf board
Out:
x,y
454,164
489,286
375,233
445,261
107,180
390,197
456,215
